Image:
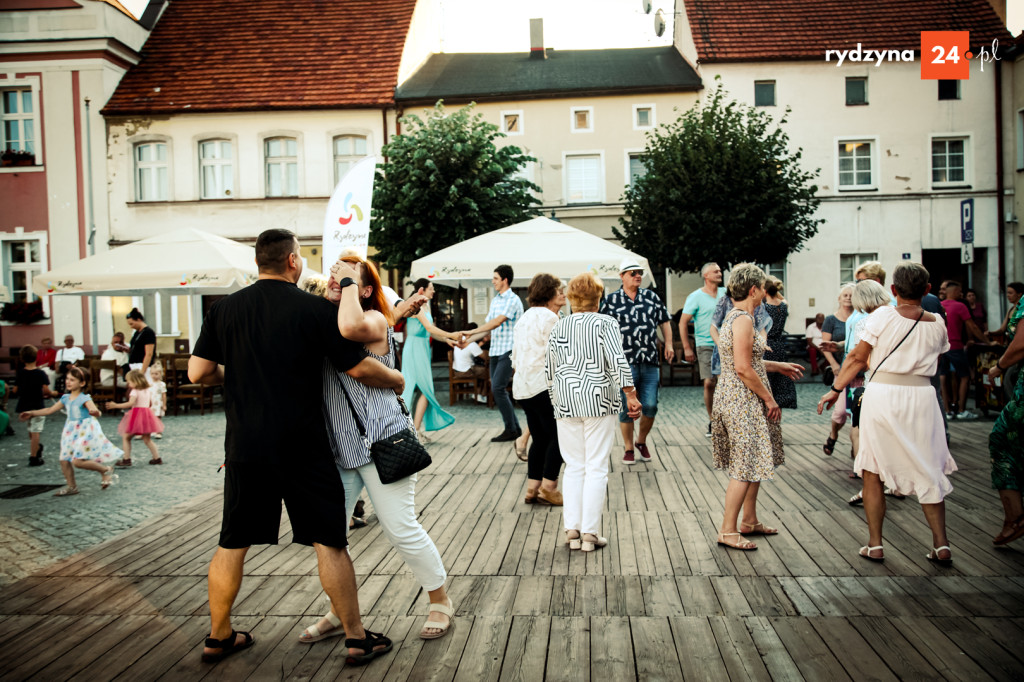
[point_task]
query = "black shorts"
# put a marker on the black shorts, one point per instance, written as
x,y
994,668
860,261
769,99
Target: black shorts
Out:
x,y
312,491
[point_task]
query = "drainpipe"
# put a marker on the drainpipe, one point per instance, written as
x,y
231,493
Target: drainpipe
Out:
x,y
1000,175
92,219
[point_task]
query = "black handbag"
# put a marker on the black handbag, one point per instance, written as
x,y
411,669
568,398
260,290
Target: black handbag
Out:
x,y
398,456
828,376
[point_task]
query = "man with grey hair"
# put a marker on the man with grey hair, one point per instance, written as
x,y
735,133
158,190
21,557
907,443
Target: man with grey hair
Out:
x,y
700,307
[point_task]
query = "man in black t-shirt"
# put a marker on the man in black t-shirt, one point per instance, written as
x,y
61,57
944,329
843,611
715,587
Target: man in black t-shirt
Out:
x,y
268,344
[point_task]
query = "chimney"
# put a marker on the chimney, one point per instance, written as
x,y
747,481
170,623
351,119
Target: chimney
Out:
x,y
537,39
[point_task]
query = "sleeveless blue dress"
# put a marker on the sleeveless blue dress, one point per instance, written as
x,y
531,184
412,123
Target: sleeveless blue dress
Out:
x,y
417,373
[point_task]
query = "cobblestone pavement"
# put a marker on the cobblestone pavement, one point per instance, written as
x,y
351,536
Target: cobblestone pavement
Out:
x,y
38,530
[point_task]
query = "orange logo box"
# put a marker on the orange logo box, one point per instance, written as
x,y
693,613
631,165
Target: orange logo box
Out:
x,y
945,56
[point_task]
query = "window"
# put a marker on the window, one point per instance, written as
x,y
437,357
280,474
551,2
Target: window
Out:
x,y
776,270
22,260
582,120
1020,140
949,89
849,262
643,116
151,174
636,168
764,93
348,150
160,311
217,177
583,179
856,91
19,129
512,122
949,161
282,163
856,165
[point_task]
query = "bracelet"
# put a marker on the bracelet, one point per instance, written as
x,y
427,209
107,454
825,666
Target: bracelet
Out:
x,y
999,367
833,387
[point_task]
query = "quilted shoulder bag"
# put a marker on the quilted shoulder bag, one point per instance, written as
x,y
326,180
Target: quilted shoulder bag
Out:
x,y
397,456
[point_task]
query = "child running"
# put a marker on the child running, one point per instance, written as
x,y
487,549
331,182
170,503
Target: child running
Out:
x,y
158,394
139,420
33,386
82,444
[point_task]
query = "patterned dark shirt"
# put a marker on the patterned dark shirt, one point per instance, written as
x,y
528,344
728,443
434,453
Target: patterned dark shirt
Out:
x,y
638,321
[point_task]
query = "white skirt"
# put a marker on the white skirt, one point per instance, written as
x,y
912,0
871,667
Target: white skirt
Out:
x,y
903,441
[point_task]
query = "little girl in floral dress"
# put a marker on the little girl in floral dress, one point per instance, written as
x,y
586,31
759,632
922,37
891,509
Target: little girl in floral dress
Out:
x,y
139,420
158,394
82,444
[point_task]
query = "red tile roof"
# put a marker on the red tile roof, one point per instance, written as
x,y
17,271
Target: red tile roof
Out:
x,y
249,55
759,30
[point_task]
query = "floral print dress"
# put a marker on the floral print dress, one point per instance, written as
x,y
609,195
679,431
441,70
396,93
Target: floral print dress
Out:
x,y
83,437
743,440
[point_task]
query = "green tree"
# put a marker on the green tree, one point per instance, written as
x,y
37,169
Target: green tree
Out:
x,y
445,181
721,184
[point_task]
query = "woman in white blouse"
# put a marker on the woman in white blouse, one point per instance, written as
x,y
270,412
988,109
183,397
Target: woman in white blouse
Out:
x,y
546,297
585,368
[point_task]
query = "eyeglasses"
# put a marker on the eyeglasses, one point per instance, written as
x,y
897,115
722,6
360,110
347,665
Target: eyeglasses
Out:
x,y
634,273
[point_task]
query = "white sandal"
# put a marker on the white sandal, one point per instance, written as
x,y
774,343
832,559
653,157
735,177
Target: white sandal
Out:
x,y
592,541
313,634
866,551
446,609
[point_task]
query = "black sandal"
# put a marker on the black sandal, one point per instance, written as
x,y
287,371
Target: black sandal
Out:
x,y
227,646
368,645
829,446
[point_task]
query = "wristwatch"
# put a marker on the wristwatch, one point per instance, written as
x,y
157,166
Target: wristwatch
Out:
x,y
345,281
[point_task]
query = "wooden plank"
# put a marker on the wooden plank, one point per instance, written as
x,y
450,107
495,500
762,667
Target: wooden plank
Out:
x,y
730,596
478,662
884,637
763,599
625,596
777,660
61,634
742,660
812,655
697,649
611,648
855,654
697,595
533,596
948,659
528,640
661,596
591,596
654,649
569,650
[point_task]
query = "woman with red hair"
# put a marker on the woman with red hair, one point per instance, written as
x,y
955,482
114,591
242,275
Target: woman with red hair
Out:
x,y
366,318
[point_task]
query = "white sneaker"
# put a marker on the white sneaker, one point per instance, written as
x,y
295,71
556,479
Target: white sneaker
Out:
x,y
965,415
950,416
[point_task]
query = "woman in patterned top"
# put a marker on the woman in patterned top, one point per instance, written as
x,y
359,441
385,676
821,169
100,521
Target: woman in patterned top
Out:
x,y
585,368
746,436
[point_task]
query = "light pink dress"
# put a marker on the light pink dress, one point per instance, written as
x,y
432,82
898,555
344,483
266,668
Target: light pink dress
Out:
x,y
140,419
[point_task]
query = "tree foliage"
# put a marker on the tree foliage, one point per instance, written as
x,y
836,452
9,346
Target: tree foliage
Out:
x,y
445,181
721,185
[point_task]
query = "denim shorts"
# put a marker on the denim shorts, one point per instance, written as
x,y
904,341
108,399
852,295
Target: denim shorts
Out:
x,y
954,362
645,380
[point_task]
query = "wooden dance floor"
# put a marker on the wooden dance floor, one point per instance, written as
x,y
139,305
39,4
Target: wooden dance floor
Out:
x,y
661,602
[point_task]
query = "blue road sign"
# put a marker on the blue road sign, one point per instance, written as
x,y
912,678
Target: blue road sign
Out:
x,y
967,221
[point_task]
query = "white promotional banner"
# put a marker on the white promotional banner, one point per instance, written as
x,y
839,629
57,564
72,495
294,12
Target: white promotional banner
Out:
x,y
347,223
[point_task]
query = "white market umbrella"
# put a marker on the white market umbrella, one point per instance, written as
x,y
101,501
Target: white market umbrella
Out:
x,y
531,247
178,263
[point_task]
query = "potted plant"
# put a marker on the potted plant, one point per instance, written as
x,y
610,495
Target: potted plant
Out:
x,y
24,312
17,157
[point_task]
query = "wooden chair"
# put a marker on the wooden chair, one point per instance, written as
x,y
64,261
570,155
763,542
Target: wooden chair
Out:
x,y
185,391
679,365
459,386
97,390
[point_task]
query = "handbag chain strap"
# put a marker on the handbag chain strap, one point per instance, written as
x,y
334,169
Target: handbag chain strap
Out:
x,y
897,346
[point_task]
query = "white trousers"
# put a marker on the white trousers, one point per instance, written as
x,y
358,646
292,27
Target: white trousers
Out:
x,y
395,504
586,444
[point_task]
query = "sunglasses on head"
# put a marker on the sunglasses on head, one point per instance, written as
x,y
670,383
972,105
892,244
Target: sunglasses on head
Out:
x,y
634,273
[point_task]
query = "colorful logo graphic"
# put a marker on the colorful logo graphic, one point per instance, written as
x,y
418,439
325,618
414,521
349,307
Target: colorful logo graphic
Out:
x,y
431,274
49,288
345,220
185,281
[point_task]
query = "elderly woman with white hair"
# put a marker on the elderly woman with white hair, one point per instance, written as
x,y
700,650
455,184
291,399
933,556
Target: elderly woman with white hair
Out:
x,y
746,436
902,443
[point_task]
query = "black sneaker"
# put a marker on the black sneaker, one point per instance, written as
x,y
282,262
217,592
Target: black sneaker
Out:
x,y
36,461
708,434
505,436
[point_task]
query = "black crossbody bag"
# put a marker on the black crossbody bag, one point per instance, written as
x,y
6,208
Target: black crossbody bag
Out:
x,y
397,456
856,395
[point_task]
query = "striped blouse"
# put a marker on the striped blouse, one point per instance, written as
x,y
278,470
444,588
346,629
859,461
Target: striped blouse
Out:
x,y
585,366
378,410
